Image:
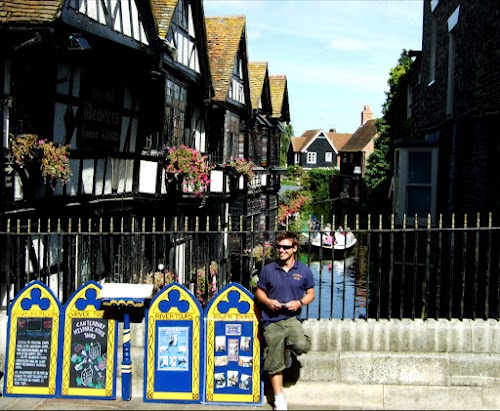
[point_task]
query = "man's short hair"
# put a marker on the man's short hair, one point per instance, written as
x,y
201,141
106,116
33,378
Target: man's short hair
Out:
x,y
288,235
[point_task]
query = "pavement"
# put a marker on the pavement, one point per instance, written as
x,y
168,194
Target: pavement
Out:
x,y
32,403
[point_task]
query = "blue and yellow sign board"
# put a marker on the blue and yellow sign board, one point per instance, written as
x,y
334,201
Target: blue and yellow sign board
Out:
x,y
173,365
89,346
32,349
232,348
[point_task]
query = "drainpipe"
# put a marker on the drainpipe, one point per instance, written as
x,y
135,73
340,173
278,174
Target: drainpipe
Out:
x,y
453,166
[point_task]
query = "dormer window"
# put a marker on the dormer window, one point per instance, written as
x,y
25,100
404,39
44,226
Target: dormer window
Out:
x,y
236,88
238,67
183,35
183,14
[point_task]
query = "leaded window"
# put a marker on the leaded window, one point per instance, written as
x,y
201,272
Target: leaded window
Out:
x,y
175,112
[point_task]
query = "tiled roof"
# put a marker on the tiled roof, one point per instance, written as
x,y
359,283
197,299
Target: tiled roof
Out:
x,y
361,137
278,87
311,133
163,11
339,139
223,36
29,12
298,143
257,71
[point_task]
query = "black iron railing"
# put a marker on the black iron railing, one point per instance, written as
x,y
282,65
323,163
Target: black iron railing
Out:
x,y
443,271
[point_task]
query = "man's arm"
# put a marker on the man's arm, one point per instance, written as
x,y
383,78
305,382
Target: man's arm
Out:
x,y
309,297
306,299
264,299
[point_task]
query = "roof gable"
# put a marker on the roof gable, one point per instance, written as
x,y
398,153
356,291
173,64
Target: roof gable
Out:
x,y
180,26
17,12
123,23
163,12
257,74
300,144
224,36
22,12
361,137
279,97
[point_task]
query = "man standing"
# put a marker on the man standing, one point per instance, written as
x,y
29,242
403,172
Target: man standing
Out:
x,y
284,286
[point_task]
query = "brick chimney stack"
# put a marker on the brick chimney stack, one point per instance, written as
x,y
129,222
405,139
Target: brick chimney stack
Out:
x,y
366,114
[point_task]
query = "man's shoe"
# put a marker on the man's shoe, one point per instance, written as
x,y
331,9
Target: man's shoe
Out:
x,y
288,357
280,404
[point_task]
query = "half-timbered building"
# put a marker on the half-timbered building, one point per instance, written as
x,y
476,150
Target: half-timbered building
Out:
x,y
121,83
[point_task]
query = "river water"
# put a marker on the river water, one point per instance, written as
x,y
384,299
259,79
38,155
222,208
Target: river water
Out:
x,y
339,288
340,284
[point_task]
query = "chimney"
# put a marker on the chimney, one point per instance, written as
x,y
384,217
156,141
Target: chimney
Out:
x,y
366,115
332,130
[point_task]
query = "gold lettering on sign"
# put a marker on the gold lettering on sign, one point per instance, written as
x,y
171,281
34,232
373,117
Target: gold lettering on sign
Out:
x,y
173,316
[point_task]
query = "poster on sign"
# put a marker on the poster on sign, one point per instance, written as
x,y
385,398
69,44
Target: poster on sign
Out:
x,y
173,350
32,358
32,349
173,362
89,344
232,357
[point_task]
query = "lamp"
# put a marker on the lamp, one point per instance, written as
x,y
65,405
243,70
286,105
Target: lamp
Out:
x,y
155,74
77,42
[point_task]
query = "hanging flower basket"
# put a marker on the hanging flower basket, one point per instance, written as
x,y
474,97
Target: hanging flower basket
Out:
x,y
243,167
159,279
52,159
188,169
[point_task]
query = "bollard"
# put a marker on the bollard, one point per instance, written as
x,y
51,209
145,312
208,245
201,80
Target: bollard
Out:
x,y
127,360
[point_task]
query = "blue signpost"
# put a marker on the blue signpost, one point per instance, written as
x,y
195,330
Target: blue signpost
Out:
x,y
127,360
126,297
32,348
173,365
232,349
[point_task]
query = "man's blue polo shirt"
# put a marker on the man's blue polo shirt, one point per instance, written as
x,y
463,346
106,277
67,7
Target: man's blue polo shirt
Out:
x,y
284,287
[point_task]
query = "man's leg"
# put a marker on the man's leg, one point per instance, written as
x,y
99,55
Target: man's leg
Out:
x,y
274,337
296,340
277,382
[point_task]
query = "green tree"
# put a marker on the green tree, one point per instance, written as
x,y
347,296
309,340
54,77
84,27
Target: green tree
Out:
x,y
294,170
284,143
392,126
317,181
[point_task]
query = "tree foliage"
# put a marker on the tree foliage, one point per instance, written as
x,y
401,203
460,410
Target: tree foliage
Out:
x,y
284,143
317,181
294,171
392,126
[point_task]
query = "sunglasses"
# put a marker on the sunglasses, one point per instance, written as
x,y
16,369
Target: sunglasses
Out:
x,y
284,247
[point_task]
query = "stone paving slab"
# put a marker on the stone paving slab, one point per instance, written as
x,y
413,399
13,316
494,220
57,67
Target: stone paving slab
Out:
x,y
29,403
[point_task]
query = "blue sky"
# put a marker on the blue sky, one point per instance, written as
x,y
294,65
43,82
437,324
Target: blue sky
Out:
x,y
336,54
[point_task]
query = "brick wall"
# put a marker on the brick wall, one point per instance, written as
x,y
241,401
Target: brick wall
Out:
x,y
468,138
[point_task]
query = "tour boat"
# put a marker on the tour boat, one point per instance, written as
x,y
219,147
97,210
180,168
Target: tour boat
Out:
x,y
338,240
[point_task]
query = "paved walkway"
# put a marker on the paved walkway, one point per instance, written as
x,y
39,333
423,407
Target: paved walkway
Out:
x,y
29,403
